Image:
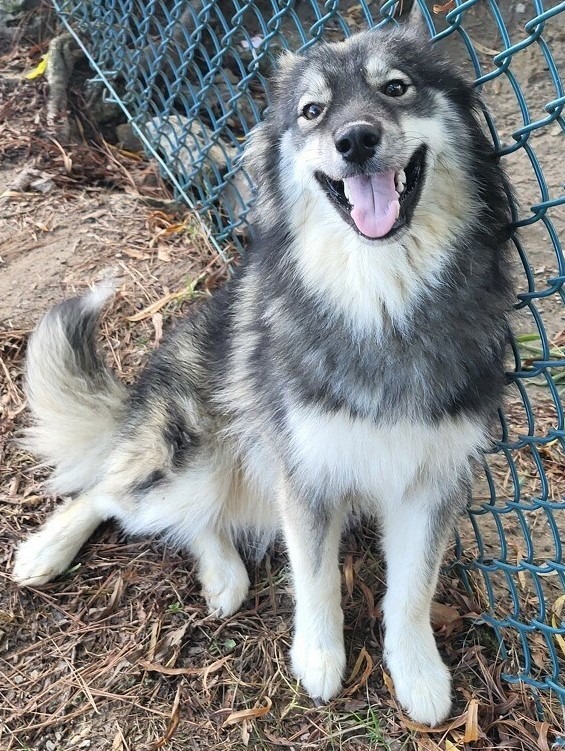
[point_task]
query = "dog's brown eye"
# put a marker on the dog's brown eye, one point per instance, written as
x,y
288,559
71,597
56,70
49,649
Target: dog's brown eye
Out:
x,y
312,111
395,88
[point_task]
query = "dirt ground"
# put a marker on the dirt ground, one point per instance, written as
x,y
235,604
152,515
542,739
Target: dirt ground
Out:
x,y
119,654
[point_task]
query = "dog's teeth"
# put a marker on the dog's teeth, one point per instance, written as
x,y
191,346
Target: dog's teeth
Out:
x,y
346,191
400,178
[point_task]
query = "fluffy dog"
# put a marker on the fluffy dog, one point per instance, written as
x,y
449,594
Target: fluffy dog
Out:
x,y
351,366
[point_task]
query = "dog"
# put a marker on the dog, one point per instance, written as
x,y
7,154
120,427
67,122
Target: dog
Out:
x,y
352,365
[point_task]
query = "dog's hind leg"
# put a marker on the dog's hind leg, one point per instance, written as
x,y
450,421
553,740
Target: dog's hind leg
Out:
x,y
221,571
313,537
195,508
50,551
415,533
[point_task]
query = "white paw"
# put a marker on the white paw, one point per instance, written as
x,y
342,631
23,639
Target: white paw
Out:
x,y
421,681
319,668
40,559
225,588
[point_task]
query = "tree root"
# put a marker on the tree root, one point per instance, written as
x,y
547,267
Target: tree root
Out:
x,y
63,56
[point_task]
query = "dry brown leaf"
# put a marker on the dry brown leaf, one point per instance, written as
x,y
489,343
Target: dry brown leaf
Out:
x,y
543,729
153,667
156,306
173,229
425,743
112,602
174,721
155,631
67,161
157,320
357,666
387,680
348,574
556,620
245,734
248,714
137,254
457,722
444,8
472,725
443,615
369,599
364,655
117,744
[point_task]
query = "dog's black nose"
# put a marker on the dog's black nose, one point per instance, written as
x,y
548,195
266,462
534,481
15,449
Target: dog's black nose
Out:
x,y
357,143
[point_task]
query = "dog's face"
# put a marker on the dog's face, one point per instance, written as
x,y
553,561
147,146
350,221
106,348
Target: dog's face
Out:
x,y
366,123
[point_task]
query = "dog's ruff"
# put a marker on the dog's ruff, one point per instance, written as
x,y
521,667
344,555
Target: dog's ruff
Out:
x,y
337,374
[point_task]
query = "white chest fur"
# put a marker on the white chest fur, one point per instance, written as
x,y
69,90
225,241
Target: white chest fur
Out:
x,y
379,462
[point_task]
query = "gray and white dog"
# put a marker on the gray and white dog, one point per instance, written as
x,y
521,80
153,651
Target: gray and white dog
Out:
x,y
351,366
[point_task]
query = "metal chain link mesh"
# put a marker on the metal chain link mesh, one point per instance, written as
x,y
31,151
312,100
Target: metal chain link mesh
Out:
x,y
190,76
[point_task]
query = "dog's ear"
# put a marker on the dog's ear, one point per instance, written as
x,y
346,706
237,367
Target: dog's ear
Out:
x,y
286,65
286,61
410,14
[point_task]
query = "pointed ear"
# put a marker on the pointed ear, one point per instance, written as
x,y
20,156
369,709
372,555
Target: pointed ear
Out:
x,y
286,61
410,15
286,64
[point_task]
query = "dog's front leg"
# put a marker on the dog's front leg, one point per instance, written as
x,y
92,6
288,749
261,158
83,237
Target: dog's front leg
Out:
x,y
312,534
415,532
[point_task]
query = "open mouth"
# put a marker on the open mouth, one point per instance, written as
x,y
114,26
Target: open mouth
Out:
x,y
378,205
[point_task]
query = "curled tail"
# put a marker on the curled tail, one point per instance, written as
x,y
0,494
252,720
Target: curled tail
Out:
x,y
76,401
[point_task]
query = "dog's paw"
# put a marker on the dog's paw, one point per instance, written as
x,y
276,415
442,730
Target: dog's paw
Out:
x,y
319,669
225,587
422,682
39,559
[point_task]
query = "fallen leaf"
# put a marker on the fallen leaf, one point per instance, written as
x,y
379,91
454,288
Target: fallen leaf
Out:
x,y
557,620
472,724
174,721
348,574
543,729
137,254
444,8
39,69
154,667
457,722
157,320
248,714
444,615
387,680
364,655
245,734
154,307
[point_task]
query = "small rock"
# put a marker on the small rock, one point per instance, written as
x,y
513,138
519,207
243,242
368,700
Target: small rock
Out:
x,y
43,185
127,138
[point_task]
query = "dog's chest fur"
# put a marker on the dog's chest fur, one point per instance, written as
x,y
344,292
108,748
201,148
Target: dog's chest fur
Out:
x,y
432,358
353,408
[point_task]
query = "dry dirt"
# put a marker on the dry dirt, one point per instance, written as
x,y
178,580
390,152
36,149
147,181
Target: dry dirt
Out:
x,y
119,654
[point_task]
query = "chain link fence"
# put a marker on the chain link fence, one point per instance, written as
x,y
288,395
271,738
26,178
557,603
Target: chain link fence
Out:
x,y
190,76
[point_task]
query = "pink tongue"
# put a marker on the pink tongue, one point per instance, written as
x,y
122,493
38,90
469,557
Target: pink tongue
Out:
x,y
375,203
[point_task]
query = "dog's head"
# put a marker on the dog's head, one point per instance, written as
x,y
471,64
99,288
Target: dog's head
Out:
x,y
378,125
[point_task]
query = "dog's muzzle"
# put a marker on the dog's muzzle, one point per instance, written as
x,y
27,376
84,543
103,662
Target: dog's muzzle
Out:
x,y
378,204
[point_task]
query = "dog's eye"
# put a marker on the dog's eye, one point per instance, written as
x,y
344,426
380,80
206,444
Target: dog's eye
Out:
x,y
395,88
312,111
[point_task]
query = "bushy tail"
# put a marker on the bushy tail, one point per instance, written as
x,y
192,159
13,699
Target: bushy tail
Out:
x,y
75,399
